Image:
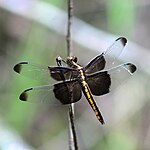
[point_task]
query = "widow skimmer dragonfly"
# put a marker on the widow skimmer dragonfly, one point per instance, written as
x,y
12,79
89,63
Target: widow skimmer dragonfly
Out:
x,y
96,78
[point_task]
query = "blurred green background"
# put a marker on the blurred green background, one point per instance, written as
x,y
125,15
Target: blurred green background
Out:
x,y
29,31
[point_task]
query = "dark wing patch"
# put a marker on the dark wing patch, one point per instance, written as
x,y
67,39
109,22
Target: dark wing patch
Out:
x,y
131,68
18,67
24,95
68,92
99,83
123,40
97,64
62,73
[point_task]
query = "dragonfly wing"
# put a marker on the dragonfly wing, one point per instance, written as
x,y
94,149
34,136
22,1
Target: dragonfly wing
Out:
x,y
103,82
96,64
114,51
44,73
107,58
33,71
68,92
99,83
38,94
65,92
120,74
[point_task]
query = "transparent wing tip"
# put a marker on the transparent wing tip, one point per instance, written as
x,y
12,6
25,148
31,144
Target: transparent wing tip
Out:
x,y
18,67
123,40
131,67
24,95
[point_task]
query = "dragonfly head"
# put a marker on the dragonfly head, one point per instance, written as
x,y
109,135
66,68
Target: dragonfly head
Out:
x,y
71,60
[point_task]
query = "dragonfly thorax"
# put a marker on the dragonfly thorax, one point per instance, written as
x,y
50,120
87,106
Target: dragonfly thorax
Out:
x,y
71,60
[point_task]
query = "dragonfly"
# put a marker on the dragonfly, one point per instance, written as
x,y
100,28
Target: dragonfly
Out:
x,y
98,77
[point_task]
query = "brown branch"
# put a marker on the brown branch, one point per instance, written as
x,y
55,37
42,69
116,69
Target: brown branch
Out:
x,y
72,132
69,37
73,145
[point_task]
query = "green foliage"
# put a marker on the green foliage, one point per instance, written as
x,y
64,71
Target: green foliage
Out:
x,y
120,16
116,141
54,2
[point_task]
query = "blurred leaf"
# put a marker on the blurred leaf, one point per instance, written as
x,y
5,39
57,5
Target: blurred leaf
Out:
x,y
120,15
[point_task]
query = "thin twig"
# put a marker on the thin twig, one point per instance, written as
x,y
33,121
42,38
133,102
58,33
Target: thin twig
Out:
x,y
72,132
69,37
73,145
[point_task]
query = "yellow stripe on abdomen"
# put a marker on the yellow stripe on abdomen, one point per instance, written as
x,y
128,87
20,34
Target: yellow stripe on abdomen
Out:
x,y
88,95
